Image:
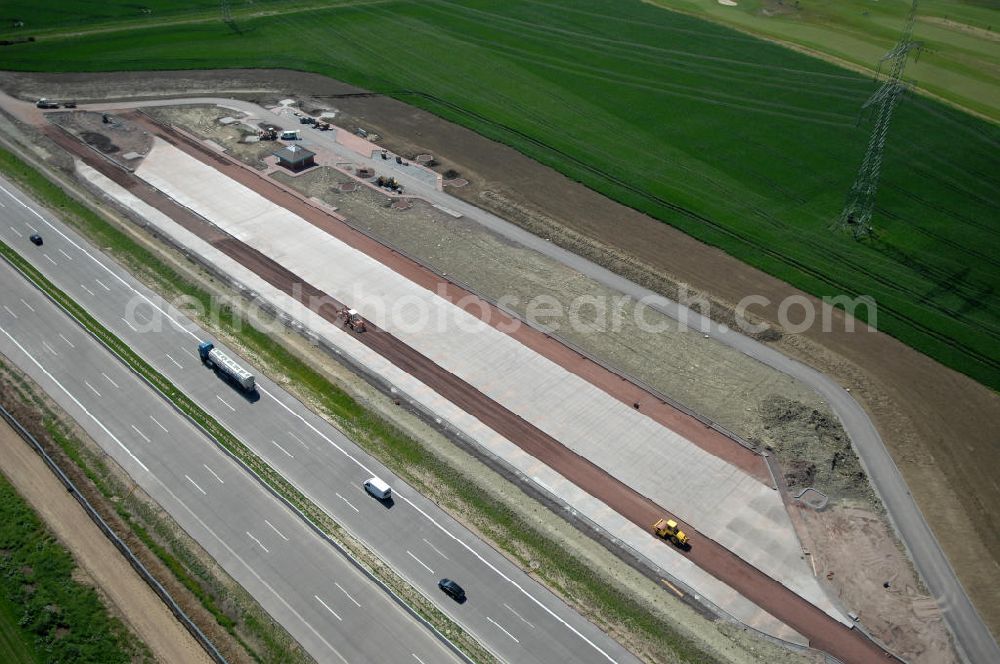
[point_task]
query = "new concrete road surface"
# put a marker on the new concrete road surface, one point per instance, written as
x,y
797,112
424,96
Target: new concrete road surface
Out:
x,y
974,640
511,614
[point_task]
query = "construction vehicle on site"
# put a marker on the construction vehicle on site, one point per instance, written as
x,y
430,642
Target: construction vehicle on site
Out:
x,y
668,529
353,320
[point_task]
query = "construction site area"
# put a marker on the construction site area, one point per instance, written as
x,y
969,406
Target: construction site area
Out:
x,y
410,264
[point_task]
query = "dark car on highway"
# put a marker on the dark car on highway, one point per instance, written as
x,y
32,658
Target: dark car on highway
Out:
x,y
452,589
36,239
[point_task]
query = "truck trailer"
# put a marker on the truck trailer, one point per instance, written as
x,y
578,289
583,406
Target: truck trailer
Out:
x,y
216,359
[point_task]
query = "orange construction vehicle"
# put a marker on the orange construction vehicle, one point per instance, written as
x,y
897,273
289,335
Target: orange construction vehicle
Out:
x,y
353,320
668,529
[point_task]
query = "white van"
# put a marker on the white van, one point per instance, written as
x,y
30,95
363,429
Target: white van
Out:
x,y
378,488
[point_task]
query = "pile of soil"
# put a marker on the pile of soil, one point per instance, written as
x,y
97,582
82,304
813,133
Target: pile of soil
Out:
x,y
99,141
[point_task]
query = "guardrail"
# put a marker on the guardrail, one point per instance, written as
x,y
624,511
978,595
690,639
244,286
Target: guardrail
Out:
x,y
136,564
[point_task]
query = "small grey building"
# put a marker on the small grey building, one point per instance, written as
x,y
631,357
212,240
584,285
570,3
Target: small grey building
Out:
x,y
295,158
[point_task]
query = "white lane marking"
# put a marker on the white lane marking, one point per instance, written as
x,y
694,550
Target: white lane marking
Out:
x,y
92,389
174,361
16,232
282,449
193,356
70,394
224,402
348,594
136,429
500,627
417,658
109,379
250,535
251,570
49,348
419,561
519,616
129,287
301,442
196,485
49,259
9,311
86,289
2,205
435,548
102,284
361,465
271,526
157,423
347,501
130,325
68,257
68,342
327,606
445,531
214,474
26,304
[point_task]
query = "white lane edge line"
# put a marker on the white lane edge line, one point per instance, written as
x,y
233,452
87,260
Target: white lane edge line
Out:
x,y
439,552
287,453
509,608
419,561
157,423
68,342
348,594
196,485
271,526
250,535
224,402
500,627
136,429
327,607
92,388
349,504
109,379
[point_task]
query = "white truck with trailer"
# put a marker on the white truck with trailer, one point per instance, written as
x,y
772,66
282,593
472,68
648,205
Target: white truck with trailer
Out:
x,y
218,360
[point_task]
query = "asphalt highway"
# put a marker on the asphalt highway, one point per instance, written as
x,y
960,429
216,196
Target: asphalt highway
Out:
x,y
511,614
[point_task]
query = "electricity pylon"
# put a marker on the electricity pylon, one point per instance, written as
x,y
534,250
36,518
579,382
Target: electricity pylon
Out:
x,y
860,203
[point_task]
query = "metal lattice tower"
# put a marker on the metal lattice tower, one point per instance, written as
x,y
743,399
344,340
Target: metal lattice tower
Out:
x,y
860,203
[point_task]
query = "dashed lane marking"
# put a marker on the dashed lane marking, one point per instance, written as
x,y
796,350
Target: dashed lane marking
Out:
x,y
197,487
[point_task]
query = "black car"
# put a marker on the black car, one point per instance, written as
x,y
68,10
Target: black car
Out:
x,y
452,589
36,239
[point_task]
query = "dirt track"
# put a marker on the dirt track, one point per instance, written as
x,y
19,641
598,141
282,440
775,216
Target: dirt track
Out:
x,y
823,632
133,600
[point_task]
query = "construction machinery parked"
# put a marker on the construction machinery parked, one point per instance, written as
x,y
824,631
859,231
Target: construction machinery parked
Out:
x,y
669,530
353,320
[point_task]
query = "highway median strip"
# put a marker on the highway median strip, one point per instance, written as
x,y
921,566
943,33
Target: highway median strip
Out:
x,y
271,479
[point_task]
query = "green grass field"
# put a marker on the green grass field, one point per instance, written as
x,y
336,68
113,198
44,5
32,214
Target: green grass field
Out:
x,y
961,38
46,615
743,144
